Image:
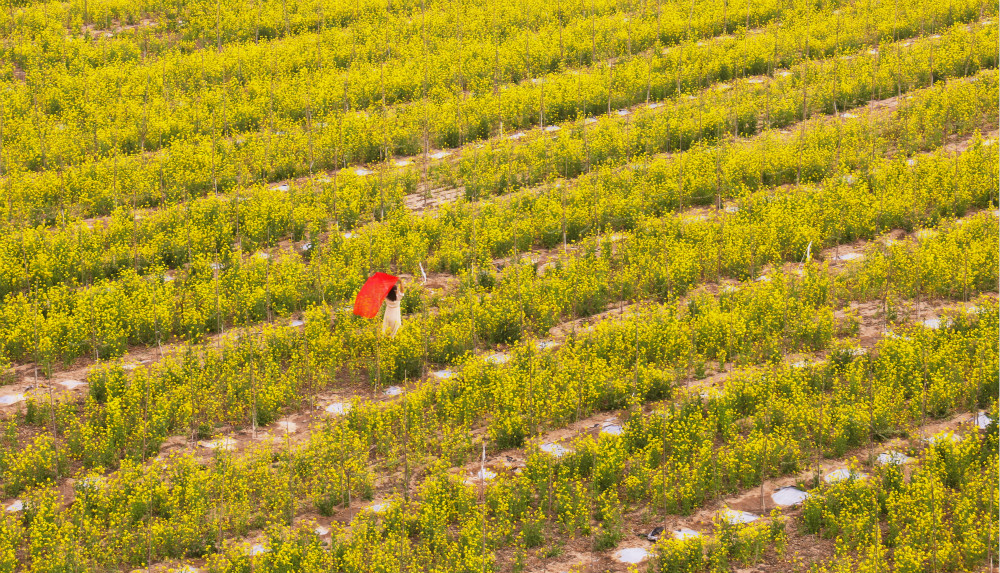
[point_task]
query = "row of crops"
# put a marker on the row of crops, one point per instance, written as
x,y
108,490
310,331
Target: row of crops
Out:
x,y
91,162
247,381
111,287
567,385
644,316
768,422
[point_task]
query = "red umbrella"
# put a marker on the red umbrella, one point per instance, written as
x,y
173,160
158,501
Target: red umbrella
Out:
x,y
372,294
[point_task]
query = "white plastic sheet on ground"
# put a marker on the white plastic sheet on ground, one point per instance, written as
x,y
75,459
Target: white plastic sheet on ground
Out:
x,y
362,172
379,507
631,555
710,393
893,457
444,374
91,482
15,506
685,533
545,344
932,323
943,437
553,449
735,517
338,408
788,496
848,257
219,444
440,155
402,162
393,391
589,121
516,136
498,358
257,549
611,428
843,474
982,420
11,399
622,112
321,531
483,475
282,187
296,323
552,128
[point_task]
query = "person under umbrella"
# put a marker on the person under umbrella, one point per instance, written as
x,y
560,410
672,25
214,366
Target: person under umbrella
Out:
x,y
378,288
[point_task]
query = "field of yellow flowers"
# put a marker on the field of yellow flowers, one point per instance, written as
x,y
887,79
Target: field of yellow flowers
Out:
x,y
689,286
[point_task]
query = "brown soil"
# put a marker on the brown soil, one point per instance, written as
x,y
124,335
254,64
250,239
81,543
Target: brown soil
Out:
x,y
959,143
116,27
425,201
